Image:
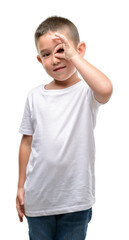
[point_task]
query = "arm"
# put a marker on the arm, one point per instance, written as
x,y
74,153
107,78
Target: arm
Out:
x,y
24,153
97,81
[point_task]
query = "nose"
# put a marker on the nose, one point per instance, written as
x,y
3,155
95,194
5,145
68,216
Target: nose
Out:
x,y
55,60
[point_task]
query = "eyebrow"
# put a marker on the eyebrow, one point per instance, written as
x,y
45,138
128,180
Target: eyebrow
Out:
x,y
44,50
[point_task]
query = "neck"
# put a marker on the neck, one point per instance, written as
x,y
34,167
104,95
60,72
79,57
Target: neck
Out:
x,y
66,83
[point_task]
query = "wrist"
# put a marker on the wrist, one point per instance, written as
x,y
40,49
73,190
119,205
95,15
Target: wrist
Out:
x,y
20,185
20,190
75,58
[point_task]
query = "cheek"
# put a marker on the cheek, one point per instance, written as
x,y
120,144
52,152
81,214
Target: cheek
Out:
x,y
46,64
71,67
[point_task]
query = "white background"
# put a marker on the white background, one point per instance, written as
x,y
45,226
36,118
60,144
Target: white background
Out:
x,y
103,25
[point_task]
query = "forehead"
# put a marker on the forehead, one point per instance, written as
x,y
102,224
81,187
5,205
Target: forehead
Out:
x,y
46,41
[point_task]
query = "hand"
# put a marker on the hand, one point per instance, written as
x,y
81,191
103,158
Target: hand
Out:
x,y
64,49
20,203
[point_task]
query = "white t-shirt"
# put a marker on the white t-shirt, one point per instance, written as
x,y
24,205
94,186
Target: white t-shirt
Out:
x,y
60,175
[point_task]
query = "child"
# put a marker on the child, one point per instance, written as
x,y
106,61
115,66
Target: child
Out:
x,y
56,191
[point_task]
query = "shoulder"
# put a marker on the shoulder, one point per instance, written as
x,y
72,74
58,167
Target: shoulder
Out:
x,y
34,91
90,96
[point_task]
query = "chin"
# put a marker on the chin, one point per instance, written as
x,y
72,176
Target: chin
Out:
x,y
61,80
64,78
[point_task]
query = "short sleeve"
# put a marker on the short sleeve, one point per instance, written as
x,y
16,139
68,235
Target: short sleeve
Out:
x,y
26,123
94,105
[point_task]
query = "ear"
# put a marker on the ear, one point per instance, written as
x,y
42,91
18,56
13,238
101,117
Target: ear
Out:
x,y
39,59
81,48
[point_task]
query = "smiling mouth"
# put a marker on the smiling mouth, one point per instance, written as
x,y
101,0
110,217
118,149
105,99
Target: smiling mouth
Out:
x,y
59,68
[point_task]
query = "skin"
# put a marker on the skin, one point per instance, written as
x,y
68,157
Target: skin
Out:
x,y
63,78
24,153
61,52
62,60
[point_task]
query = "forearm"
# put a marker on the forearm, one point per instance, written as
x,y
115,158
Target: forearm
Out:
x,y
96,80
24,153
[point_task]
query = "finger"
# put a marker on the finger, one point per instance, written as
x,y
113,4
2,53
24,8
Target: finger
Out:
x,y
20,218
20,215
20,212
23,209
56,39
59,48
62,38
20,209
60,55
59,51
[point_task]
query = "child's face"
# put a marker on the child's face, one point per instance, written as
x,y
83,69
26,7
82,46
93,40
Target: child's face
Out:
x,y
59,69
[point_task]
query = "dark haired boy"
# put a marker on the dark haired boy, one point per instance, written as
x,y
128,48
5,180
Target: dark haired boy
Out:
x,y
56,191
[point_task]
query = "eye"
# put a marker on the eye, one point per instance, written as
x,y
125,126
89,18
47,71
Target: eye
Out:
x,y
45,55
60,50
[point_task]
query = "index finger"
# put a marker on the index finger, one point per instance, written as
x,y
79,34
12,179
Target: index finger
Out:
x,y
61,37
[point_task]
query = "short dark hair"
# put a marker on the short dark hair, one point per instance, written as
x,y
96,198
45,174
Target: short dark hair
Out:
x,y
55,23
